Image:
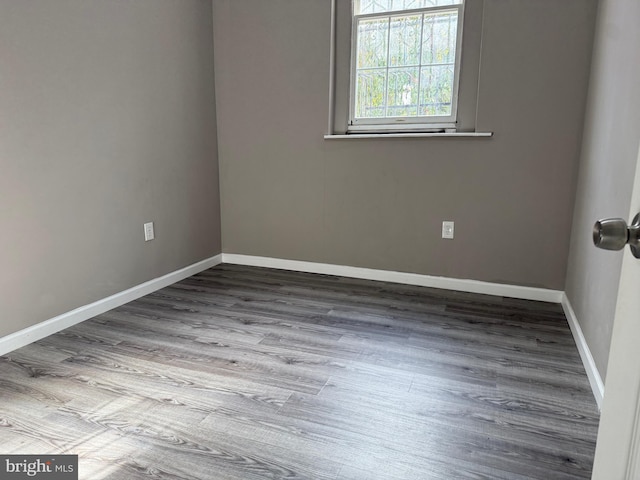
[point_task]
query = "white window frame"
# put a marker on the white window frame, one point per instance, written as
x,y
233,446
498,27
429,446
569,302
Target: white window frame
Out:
x,y
404,124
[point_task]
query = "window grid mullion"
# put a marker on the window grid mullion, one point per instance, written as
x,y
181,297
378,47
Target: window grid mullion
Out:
x,y
386,77
432,27
385,68
449,36
420,66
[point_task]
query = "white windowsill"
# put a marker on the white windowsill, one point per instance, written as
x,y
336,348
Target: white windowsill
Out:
x,y
360,136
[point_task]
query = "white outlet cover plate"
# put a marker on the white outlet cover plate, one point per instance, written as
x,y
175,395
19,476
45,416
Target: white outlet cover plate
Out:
x,y
447,230
148,232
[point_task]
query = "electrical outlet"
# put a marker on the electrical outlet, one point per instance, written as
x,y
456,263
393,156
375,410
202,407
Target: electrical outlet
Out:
x,y
447,230
148,232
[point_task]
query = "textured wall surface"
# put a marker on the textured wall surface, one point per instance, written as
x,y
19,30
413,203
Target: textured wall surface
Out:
x,y
287,193
607,167
107,121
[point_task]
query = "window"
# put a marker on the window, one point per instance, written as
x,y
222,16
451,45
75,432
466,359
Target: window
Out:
x,y
405,64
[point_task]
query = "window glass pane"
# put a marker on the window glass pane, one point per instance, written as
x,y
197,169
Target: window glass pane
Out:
x,y
371,6
370,96
402,96
372,42
439,38
363,7
405,63
436,90
404,40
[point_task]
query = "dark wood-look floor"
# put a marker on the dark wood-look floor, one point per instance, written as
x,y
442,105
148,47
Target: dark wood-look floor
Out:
x,y
247,373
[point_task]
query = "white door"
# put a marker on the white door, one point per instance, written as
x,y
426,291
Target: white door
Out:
x,y
618,448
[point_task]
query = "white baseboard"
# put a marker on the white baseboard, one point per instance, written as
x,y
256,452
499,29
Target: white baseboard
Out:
x,y
597,385
48,327
472,286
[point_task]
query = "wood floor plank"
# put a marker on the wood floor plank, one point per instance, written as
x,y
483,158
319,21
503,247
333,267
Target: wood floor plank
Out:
x,y
243,373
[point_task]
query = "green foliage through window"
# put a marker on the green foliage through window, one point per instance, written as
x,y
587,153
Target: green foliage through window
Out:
x,y
405,63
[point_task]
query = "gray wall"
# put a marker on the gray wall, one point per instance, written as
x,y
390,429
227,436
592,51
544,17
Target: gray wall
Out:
x,y
287,193
607,166
107,120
